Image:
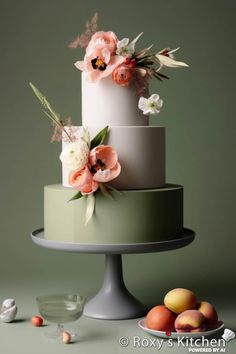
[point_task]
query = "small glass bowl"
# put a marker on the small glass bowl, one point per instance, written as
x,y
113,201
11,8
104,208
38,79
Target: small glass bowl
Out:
x,y
60,309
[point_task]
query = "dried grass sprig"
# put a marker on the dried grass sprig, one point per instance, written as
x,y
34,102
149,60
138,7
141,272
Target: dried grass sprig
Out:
x,y
51,113
83,39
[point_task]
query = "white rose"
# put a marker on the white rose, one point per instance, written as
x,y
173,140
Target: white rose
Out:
x,y
75,155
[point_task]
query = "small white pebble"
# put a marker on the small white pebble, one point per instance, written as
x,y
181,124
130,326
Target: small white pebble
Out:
x,y
8,303
8,310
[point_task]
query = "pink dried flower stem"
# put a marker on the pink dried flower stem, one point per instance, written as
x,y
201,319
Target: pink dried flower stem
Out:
x,y
83,39
71,130
142,83
60,128
57,134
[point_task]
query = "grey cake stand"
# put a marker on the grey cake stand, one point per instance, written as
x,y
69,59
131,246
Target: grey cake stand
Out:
x,y
114,301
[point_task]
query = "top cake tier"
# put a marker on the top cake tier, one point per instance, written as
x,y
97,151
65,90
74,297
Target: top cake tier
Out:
x,y
106,103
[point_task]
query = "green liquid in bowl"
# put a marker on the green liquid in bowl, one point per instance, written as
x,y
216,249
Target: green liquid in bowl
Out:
x,y
61,308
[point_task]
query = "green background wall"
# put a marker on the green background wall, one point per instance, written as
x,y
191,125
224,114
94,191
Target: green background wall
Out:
x,y
198,112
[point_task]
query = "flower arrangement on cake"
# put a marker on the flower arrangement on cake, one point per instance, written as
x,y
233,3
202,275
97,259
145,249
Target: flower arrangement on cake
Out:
x,y
106,55
91,163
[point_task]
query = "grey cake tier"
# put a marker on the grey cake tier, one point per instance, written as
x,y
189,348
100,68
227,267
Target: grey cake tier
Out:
x,y
135,216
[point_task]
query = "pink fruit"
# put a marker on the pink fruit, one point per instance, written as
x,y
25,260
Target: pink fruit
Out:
x,y
37,321
190,321
160,318
209,312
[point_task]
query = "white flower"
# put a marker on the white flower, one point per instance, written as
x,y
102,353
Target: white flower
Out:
x,y
125,48
166,58
75,155
151,105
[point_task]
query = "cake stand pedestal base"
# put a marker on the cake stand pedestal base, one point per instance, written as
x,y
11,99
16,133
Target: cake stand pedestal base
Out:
x,y
114,301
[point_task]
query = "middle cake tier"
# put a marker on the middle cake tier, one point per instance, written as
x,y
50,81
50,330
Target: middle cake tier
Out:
x,y
141,153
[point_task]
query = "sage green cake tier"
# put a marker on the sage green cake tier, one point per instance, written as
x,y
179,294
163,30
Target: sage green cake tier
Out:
x,y
135,216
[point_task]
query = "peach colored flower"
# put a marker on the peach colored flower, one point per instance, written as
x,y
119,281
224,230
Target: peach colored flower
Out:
x,y
99,65
103,39
83,181
104,163
99,60
122,75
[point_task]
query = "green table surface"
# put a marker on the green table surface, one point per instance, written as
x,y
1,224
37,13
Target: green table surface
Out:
x,y
94,335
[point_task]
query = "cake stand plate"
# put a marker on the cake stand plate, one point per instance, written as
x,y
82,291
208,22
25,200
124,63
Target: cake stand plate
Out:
x,y
114,301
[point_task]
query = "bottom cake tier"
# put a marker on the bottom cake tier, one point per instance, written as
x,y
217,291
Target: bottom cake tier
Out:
x,y
135,216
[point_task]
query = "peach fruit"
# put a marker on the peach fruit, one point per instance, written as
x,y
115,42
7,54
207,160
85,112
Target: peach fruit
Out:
x,y
66,337
190,321
209,312
161,319
179,300
37,321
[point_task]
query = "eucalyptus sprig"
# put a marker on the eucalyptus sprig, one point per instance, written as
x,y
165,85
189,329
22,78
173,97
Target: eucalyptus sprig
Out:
x,y
49,111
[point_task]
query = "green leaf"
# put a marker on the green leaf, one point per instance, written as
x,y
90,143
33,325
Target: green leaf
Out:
x,y
105,191
86,136
78,195
144,62
135,39
90,207
156,76
113,189
37,93
142,53
162,75
99,138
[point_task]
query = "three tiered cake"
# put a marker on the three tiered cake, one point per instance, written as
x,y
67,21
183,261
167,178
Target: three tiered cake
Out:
x,y
141,207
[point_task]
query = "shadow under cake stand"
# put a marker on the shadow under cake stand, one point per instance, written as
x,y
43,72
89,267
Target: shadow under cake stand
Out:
x,y
114,301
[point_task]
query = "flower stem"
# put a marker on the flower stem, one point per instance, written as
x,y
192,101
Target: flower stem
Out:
x,y
60,329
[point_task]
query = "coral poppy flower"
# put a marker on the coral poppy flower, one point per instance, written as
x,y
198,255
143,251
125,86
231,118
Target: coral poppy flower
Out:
x,y
104,163
100,59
